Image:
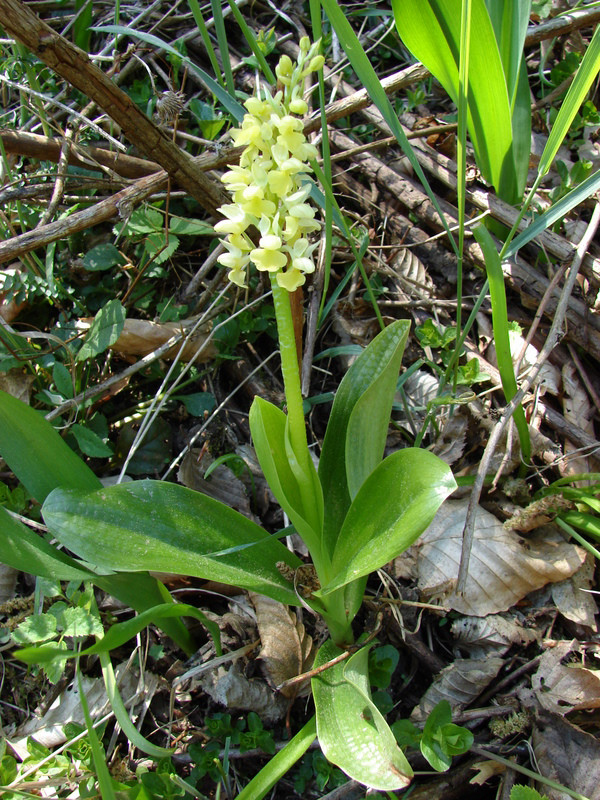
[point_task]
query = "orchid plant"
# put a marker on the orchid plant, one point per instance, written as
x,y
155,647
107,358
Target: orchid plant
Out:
x,y
355,513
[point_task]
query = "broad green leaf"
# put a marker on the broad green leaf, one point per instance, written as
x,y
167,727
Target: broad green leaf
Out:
x,y
495,275
89,442
586,74
62,379
101,257
357,428
393,507
352,733
36,453
104,331
164,527
159,247
268,425
430,29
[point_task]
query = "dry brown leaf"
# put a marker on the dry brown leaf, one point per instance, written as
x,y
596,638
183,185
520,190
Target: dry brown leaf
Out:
x,y
231,688
577,409
459,683
286,647
17,384
222,485
410,273
450,444
564,753
573,601
503,568
140,337
494,634
562,688
8,582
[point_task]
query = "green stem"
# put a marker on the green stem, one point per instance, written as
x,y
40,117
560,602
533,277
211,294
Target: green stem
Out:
x,y
290,371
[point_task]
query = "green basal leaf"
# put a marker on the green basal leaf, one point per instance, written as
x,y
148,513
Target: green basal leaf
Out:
x,y
268,425
351,731
24,550
393,507
36,453
358,424
164,527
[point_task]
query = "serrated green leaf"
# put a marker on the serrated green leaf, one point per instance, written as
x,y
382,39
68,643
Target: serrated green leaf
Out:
x,y
36,628
164,527
80,623
519,792
351,731
104,331
89,442
159,248
393,507
356,431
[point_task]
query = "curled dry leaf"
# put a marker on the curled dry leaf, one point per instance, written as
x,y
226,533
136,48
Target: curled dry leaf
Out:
x,y
231,688
459,683
287,650
564,753
572,599
491,635
410,274
563,687
503,567
8,582
141,337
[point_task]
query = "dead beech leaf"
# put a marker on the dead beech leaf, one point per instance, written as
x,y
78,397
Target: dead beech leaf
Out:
x,y
562,688
577,409
459,683
491,635
8,582
411,274
230,687
222,485
503,568
141,337
573,601
566,754
287,649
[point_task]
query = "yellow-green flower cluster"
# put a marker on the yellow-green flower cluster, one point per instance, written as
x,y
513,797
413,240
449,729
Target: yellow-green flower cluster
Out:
x,y
267,187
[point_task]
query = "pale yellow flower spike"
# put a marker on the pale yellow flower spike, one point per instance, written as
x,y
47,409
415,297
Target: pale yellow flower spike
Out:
x,y
267,186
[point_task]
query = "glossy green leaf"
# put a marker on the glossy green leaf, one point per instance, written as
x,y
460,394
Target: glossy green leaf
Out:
x,y
393,507
268,425
164,527
36,453
430,29
351,731
358,424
